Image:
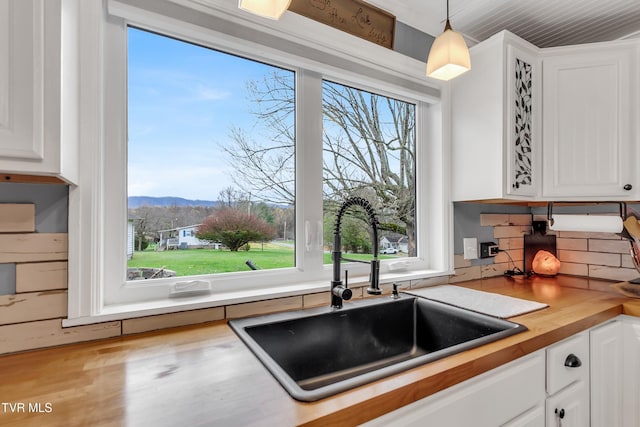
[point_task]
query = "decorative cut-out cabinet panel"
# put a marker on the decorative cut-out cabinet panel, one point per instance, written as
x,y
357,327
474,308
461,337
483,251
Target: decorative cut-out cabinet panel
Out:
x,y
521,144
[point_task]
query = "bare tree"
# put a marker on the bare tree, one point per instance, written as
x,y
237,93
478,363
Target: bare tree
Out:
x,y
266,168
369,146
371,153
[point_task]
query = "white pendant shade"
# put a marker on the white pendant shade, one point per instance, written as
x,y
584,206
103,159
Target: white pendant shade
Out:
x,y
272,9
449,56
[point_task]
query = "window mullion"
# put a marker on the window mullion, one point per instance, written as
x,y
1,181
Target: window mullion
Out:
x,y
309,243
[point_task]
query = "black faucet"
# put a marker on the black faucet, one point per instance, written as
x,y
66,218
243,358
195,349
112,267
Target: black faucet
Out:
x,y
338,291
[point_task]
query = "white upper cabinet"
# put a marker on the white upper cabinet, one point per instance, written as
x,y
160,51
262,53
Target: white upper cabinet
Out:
x,y
589,114
33,137
496,126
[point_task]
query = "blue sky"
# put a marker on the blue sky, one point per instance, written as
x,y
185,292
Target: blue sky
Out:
x,y
183,101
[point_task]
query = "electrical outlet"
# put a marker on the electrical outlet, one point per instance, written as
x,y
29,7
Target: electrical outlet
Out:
x,y
470,247
488,249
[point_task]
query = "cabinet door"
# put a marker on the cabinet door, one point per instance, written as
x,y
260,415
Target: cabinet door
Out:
x,y
21,79
631,387
569,407
607,375
30,75
587,132
489,400
522,129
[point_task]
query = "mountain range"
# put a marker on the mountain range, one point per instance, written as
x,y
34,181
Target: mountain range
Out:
x,y
138,201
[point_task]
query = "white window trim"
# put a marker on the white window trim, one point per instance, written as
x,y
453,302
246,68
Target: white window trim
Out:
x,y
96,234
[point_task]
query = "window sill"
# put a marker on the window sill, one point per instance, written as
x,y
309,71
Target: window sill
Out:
x,y
173,305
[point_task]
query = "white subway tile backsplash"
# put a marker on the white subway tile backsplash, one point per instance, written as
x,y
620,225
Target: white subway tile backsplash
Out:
x,y
264,307
460,262
171,320
511,243
611,246
493,220
572,244
466,273
601,255
511,231
496,269
431,281
591,258
627,262
611,273
574,269
520,219
587,235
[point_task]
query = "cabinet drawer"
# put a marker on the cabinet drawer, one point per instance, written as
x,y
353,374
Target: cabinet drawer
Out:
x,y
568,362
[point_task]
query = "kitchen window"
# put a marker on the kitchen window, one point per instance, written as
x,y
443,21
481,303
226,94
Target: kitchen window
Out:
x,y
369,151
211,147
255,120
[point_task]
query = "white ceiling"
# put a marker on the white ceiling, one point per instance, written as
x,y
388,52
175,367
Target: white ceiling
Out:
x,y
544,23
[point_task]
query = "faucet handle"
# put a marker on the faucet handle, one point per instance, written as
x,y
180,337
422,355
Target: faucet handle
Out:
x,y
343,292
395,293
346,293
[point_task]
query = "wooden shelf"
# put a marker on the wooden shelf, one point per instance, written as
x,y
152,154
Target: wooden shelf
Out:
x,y
31,179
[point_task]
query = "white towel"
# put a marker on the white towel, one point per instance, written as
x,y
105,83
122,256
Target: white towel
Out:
x,y
482,302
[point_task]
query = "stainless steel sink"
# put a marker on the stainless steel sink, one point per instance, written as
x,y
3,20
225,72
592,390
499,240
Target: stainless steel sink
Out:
x,y
319,352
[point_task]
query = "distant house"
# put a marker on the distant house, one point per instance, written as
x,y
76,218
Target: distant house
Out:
x,y
403,244
183,238
396,241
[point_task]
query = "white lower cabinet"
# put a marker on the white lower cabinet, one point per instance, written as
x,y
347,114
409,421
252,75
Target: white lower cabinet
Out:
x,y
589,379
568,365
615,373
607,374
631,372
512,395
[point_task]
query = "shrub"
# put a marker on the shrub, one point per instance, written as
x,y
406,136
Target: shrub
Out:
x,y
140,245
235,228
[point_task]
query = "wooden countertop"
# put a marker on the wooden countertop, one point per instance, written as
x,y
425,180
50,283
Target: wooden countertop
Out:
x,y
204,375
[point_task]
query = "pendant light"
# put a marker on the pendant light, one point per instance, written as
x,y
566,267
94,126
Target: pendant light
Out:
x,y
272,9
449,55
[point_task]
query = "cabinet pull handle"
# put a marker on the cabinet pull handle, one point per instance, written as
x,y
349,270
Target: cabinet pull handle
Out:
x,y
628,187
560,413
572,361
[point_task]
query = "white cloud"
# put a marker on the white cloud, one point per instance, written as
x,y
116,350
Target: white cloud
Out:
x,y
205,93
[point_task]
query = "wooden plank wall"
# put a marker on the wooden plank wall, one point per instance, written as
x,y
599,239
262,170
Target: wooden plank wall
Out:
x,y
32,317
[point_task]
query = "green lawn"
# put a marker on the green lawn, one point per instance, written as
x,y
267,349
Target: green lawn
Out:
x,y
209,261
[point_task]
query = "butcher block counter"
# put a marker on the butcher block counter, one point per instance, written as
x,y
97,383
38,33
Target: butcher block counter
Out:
x,y
205,376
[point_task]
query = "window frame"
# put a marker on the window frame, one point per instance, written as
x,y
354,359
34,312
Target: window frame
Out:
x,y
99,203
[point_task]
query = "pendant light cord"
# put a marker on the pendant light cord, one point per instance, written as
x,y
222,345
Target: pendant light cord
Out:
x,y
447,25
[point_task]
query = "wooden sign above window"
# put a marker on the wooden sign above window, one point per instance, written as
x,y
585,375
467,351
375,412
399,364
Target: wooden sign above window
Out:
x,y
352,16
